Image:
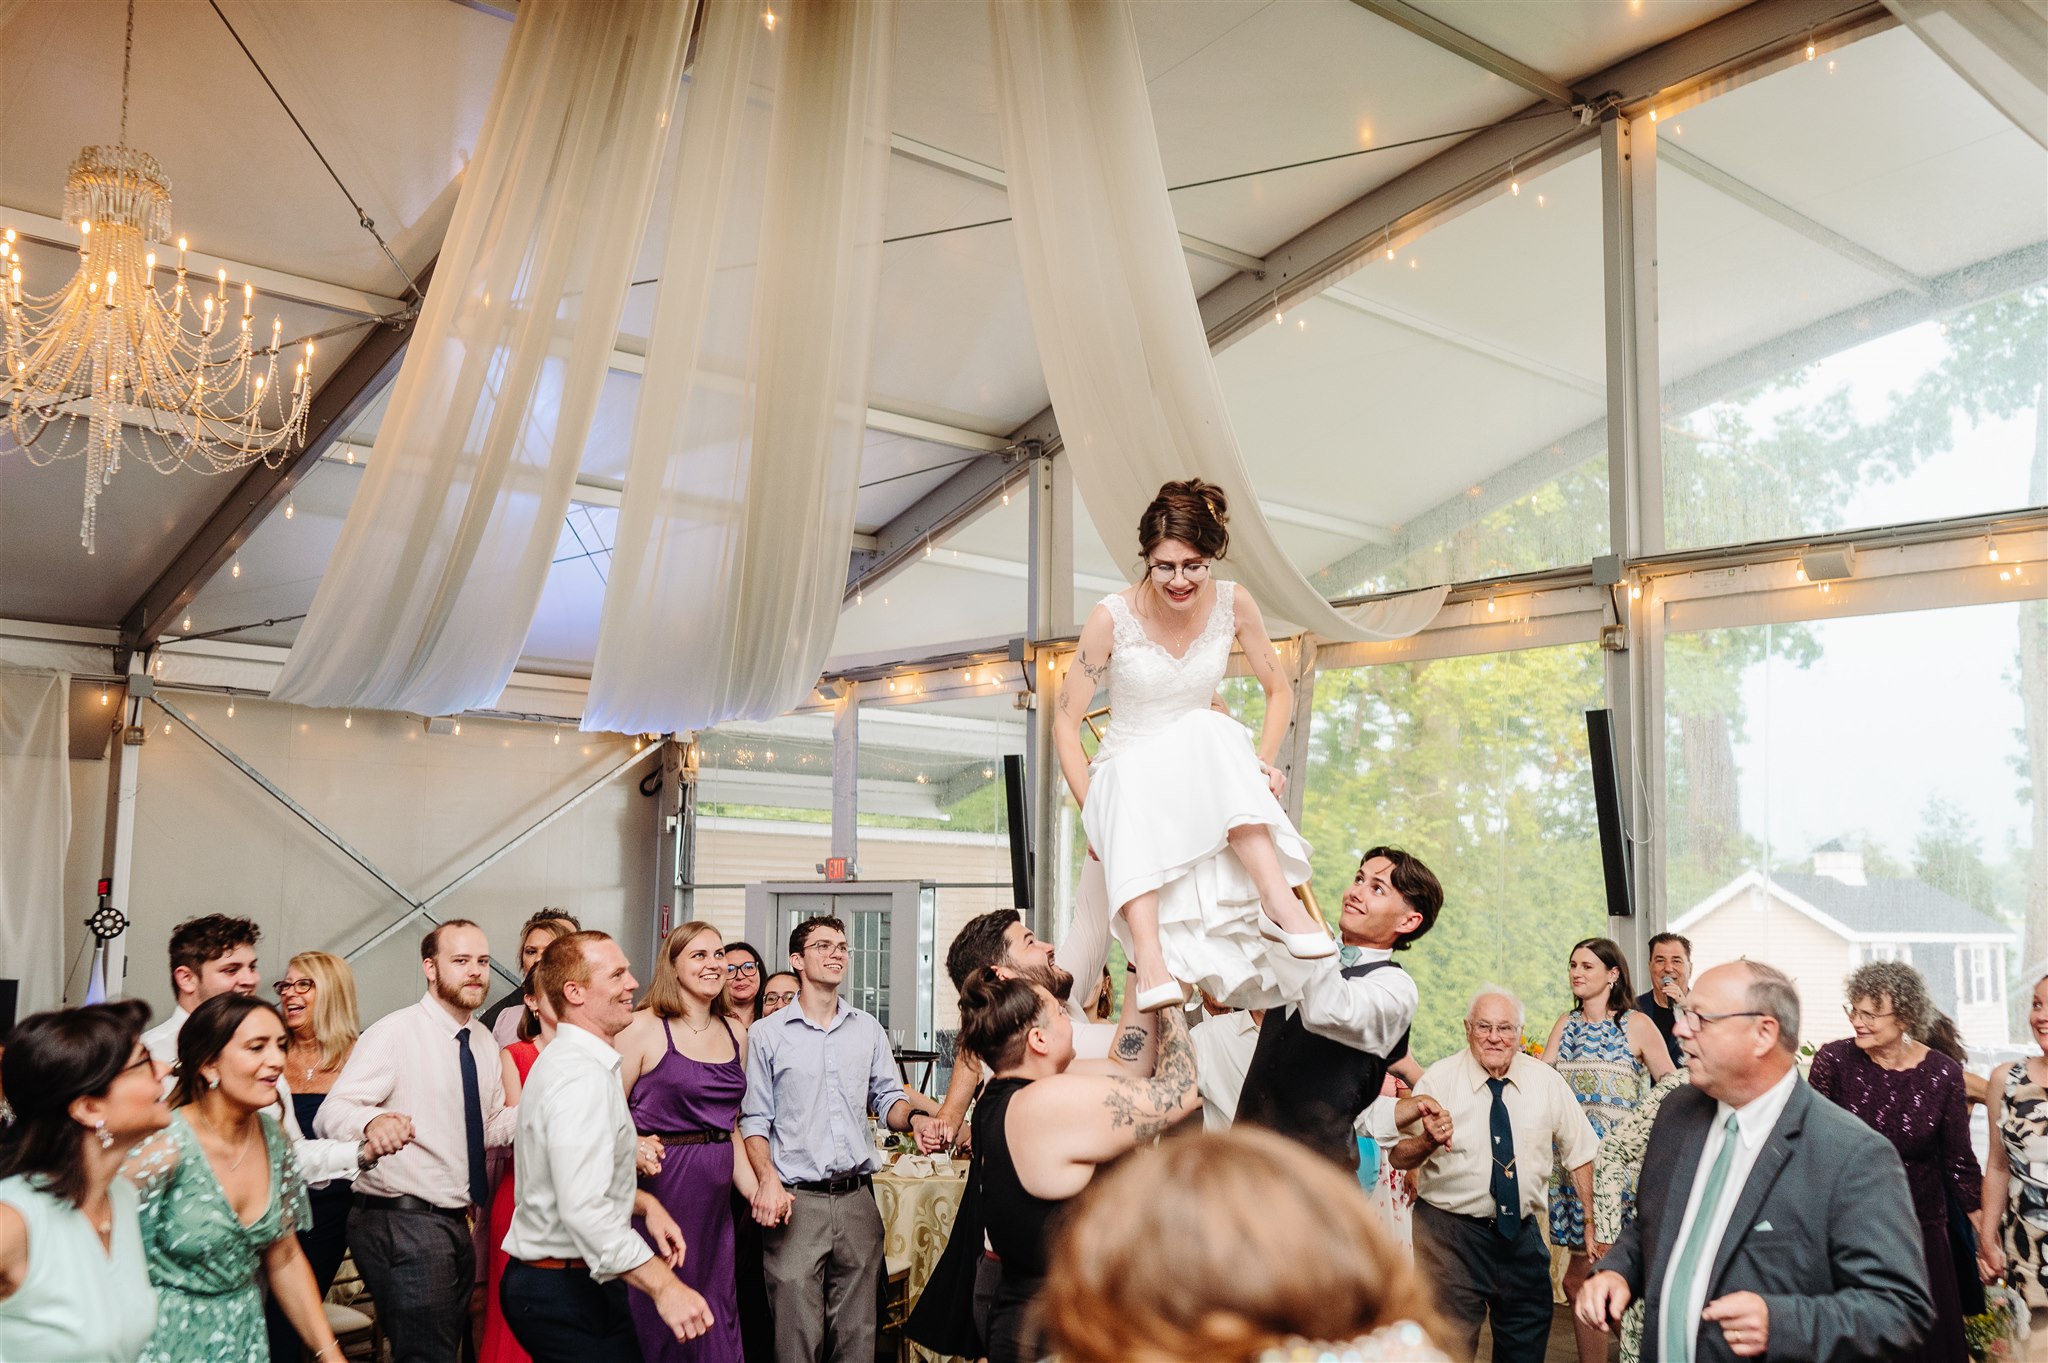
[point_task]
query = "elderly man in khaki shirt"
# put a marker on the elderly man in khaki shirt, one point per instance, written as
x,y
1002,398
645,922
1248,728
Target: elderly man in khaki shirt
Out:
x,y
1480,1132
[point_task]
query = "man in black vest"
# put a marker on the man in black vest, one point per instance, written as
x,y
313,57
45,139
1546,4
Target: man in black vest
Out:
x,y
1319,1063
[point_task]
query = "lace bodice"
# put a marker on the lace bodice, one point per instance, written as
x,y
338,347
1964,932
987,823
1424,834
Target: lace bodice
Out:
x,y
1149,688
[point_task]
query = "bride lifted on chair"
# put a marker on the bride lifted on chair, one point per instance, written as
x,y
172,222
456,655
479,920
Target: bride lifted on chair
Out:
x,y
1180,807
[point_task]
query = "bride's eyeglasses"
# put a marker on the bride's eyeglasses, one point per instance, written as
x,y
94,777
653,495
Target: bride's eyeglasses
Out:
x,y
1167,572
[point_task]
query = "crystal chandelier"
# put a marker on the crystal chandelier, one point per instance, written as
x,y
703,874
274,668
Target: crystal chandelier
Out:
x,y
115,348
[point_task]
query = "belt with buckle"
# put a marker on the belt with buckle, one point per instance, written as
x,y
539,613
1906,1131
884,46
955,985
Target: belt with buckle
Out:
x,y
554,1263
407,1204
843,1183
691,1137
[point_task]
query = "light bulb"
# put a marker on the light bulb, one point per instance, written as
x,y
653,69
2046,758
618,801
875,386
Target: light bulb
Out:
x,y
558,738
457,730
1514,186
1635,591
288,510
856,596
188,619
768,20
1809,49
167,728
892,686
236,570
1301,324
927,548
1390,253
1491,605
1653,115
1990,549
231,707
103,693
349,721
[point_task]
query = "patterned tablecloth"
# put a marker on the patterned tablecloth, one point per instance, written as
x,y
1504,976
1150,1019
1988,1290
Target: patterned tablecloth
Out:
x,y
917,1218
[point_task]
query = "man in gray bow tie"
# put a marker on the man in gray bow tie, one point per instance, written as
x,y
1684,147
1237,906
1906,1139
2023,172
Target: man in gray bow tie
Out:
x,y
1320,1062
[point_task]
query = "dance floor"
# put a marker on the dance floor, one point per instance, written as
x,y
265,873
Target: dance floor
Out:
x,y
1563,1349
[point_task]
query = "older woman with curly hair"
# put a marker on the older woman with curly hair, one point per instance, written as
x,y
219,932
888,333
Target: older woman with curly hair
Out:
x,y
1914,1097
1237,1285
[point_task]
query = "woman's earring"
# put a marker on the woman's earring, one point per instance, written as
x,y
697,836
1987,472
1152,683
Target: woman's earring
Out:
x,y
213,1081
99,1129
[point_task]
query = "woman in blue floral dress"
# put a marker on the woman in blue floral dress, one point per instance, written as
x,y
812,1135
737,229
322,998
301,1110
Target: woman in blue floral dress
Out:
x,y
222,1197
1610,1053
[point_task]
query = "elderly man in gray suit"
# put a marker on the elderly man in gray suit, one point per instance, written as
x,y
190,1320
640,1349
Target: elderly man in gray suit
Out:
x,y
1769,1224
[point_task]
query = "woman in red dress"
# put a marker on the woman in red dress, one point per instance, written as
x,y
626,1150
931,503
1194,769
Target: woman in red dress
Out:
x,y
536,1029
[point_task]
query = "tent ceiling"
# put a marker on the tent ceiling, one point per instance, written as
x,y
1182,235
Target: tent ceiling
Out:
x,y
1356,416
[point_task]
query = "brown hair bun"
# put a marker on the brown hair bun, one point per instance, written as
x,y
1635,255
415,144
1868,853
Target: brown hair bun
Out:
x,y
1193,512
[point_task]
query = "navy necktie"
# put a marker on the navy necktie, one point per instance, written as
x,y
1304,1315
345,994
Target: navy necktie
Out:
x,y
1507,1192
472,1120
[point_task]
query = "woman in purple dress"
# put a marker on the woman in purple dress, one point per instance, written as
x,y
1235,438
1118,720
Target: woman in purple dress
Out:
x,y
1913,1096
685,1073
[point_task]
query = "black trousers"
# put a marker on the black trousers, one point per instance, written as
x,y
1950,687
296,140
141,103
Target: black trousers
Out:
x,y
561,1315
325,1244
1013,1335
1478,1273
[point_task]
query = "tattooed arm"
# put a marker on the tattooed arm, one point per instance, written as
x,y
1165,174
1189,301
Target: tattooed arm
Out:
x,y
1135,1050
1087,674
1062,1127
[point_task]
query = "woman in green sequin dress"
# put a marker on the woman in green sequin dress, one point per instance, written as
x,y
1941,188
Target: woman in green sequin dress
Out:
x,y
222,1197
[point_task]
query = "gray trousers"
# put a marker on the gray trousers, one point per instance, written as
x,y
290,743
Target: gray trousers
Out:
x,y
824,1277
419,1268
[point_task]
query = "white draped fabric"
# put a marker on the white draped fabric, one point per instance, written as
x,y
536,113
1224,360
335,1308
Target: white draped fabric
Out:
x,y
1119,335
35,828
441,563
730,565
1999,46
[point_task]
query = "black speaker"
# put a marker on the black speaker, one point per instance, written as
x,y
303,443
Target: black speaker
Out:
x,y
1614,849
10,999
1018,815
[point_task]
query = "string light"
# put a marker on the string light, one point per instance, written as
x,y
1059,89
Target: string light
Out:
x,y
1278,316
236,570
288,509
768,20
349,721
167,728
558,738
231,705
1491,605
1990,549
1388,240
456,730
1653,115
857,597
927,546
1514,181
1809,45
1635,591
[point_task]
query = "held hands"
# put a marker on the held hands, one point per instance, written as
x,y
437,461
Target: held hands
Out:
x,y
1745,1322
1990,1260
935,1135
386,1135
772,1203
647,1156
1603,1300
1436,1123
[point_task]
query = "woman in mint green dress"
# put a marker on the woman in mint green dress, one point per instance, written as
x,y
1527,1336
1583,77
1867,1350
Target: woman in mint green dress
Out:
x,y
222,1197
73,1284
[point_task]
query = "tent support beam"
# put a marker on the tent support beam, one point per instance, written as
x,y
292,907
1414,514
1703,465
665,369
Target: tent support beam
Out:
x,y
1462,44
354,386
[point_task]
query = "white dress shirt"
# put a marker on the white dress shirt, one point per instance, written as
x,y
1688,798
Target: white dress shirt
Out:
x,y
1223,1052
1754,1122
1370,1013
575,1160
406,1062
1542,1111
320,1161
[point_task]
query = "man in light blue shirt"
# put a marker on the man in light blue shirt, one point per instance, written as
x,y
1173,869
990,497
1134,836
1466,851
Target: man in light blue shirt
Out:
x,y
814,1072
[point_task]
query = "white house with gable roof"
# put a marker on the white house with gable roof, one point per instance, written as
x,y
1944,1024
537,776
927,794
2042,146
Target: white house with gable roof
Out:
x,y
1819,927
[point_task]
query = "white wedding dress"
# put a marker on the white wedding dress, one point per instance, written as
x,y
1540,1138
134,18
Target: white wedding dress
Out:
x,y
1170,780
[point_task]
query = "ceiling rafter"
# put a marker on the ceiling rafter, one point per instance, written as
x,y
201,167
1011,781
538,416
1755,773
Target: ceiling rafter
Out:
x,y
1481,55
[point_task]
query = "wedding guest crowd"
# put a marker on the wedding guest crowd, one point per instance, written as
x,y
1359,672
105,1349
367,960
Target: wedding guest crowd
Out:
x,y
691,1176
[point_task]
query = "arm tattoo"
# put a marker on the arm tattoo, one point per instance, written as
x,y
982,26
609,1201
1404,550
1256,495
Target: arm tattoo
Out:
x,y
1130,1043
1148,1106
1096,672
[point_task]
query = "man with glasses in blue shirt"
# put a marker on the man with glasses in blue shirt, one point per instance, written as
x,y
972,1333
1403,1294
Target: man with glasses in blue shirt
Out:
x,y
814,1072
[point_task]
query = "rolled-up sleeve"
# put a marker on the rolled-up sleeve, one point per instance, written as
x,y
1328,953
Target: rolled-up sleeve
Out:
x,y
885,1082
757,1108
580,1165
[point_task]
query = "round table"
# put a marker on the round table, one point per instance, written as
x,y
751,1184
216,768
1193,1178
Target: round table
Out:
x,y
917,1219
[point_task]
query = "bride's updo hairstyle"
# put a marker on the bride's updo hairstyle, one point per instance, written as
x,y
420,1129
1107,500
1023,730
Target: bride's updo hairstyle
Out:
x,y
1194,512
1272,1246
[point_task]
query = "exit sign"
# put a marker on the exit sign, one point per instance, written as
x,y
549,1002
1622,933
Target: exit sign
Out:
x,y
835,868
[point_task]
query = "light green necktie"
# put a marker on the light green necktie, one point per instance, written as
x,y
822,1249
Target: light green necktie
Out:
x,y
1680,1328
